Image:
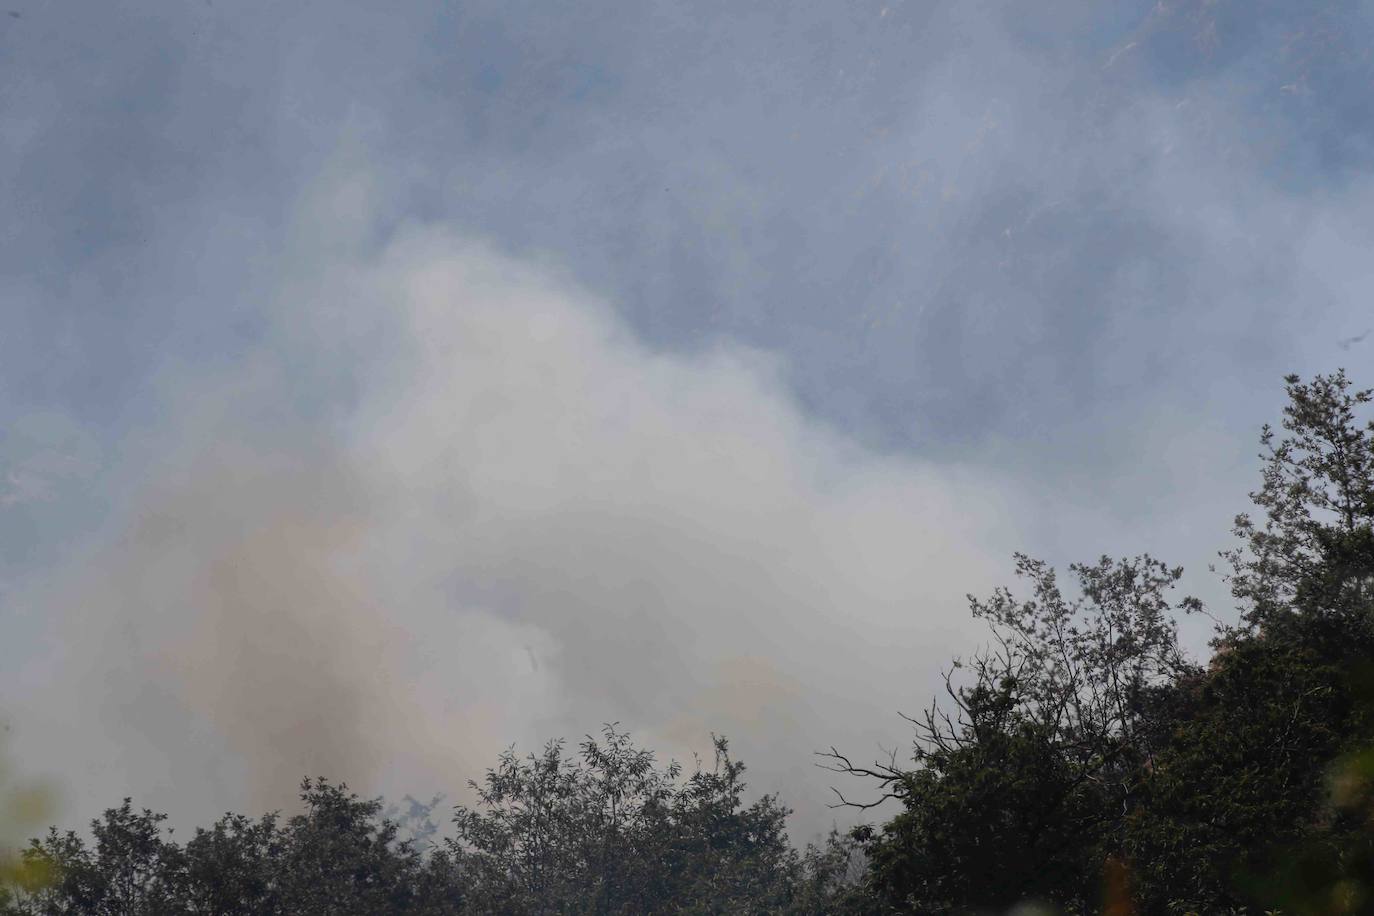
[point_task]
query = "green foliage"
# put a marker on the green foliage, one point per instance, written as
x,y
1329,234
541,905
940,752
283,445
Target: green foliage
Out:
x,y
1314,552
985,826
608,831
1020,778
335,857
131,868
1243,777
230,868
831,876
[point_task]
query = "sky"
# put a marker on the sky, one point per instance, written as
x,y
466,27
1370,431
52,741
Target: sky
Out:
x,y
382,385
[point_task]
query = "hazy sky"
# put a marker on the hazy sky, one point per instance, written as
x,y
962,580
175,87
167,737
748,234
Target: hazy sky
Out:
x,y
383,384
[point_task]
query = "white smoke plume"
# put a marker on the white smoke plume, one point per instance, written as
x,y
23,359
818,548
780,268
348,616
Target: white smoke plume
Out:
x,y
516,522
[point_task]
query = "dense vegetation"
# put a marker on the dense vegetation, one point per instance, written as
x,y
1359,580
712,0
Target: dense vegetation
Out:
x,y
1082,761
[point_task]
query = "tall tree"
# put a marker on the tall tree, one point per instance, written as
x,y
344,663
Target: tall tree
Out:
x,y
1020,776
1243,789
1083,743
1313,550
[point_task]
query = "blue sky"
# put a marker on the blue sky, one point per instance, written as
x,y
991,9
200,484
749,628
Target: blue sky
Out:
x,y
655,357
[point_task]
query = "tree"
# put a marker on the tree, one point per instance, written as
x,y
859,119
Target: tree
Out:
x,y
1242,778
1314,551
1084,744
335,857
1240,809
1019,779
132,869
610,831
607,831
232,867
340,856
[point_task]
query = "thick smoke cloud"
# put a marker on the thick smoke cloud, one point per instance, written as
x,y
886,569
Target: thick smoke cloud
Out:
x,y
530,524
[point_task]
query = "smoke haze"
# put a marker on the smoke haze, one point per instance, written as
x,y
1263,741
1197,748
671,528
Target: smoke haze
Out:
x,y
532,525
